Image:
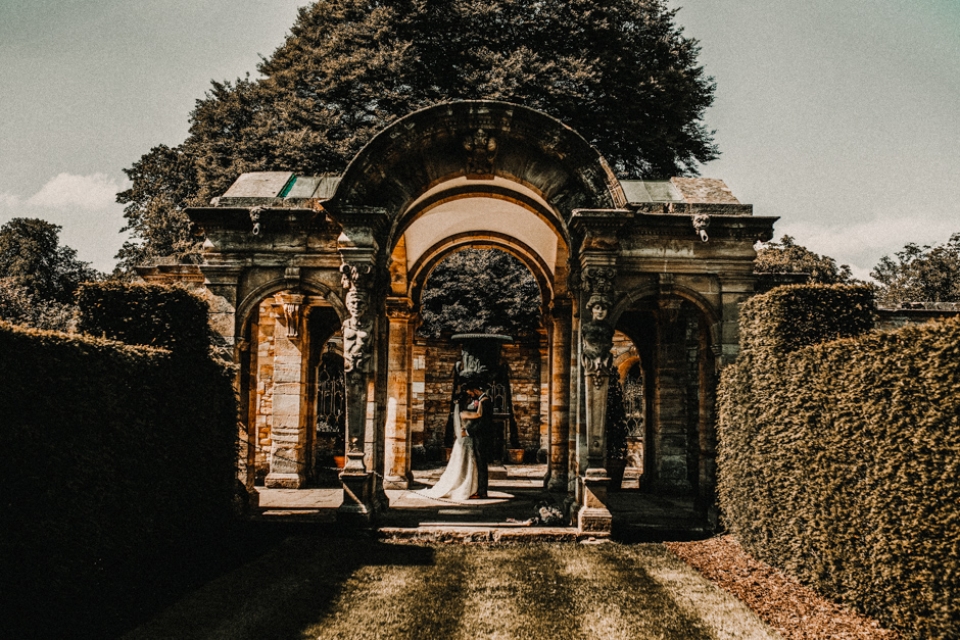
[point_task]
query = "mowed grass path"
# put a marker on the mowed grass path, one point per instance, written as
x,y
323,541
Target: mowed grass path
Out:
x,y
332,588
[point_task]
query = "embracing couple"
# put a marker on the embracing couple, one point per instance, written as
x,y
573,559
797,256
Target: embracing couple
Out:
x,y
465,477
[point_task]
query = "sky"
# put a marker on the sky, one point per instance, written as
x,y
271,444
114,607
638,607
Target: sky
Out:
x,y
842,117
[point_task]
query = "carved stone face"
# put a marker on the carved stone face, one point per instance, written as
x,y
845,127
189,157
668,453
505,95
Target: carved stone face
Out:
x,y
356,305
599,312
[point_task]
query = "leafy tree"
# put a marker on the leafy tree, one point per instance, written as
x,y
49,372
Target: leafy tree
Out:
x,y
164,183
619,72
476,290
789,257
31,256
40,277
920,274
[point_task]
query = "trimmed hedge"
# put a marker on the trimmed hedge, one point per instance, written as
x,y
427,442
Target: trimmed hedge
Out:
x,y
113,455
793,316
840,462
155,315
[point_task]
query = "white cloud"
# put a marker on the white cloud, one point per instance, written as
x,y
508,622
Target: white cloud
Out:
x,y
92,192
861,244
9,201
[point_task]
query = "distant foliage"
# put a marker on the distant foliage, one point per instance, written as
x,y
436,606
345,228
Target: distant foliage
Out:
x,y
788,257
920,274
616,425
38,276
620,72
838,461
479,290
115,455
145,314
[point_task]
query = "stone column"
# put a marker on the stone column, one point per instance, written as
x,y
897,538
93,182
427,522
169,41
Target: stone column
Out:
x,y
359,250
596,361
734,291
288,456
599,249
358,477
559,458
399,369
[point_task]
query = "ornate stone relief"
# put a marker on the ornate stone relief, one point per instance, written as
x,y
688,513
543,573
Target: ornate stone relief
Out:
x,y
292,303
481,152
700,223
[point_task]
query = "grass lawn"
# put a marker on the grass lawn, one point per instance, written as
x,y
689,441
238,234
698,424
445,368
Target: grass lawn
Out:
x,y
334,588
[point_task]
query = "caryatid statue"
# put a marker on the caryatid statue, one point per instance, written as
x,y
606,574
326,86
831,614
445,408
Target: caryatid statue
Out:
x,y
357,327
597,334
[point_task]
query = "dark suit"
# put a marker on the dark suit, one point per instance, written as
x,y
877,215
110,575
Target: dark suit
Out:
x,y
481,430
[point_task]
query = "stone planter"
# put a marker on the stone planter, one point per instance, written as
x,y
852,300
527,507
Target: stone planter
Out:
x,y
514,456
339,461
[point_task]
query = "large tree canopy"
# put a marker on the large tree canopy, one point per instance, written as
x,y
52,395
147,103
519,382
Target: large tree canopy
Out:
x,y
920,274
619,72
480,290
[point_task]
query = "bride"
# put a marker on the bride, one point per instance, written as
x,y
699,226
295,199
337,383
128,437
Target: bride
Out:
x,y
459,479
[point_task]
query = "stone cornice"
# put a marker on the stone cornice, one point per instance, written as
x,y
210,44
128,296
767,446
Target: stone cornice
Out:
x,y
736,227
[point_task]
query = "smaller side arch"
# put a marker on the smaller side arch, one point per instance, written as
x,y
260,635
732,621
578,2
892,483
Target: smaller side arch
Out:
x,y
710,315
257,295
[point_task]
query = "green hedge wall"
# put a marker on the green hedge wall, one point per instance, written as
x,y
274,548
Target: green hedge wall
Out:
x,y
111,455
840,462
149,314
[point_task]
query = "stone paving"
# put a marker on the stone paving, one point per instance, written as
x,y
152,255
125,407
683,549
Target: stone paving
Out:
x,y
515,492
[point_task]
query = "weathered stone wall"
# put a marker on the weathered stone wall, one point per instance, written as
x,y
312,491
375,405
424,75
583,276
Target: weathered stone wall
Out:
x,y
266,351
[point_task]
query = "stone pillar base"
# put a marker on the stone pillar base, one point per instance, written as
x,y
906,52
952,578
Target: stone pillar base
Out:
x,y
284,480
396,482
594,516
598,522
557,482
253,498
359,500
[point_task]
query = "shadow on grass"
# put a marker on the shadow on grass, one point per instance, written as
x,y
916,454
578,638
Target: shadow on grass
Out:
x,y
270,579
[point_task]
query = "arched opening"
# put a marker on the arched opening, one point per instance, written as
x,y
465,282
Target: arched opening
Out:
x,y
480,290
292,358
667,376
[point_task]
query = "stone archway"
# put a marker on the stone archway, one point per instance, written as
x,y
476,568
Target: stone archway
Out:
x,y
499,175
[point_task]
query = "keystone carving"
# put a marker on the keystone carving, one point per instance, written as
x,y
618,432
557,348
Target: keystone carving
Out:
x,y
481,152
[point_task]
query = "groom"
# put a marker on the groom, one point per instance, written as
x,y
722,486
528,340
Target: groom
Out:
x,y
481,430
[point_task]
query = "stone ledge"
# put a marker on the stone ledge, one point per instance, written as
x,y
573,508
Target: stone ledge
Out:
x,y
480,533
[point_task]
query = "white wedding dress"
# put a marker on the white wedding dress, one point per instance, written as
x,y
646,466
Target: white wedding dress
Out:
x,y
459,480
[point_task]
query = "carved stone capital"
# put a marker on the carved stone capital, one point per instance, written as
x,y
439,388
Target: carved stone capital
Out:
x,y
292,304
598,228
361,227
399,309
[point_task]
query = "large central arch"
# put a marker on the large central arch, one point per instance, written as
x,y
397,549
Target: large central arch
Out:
x,y
477,140
483,174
